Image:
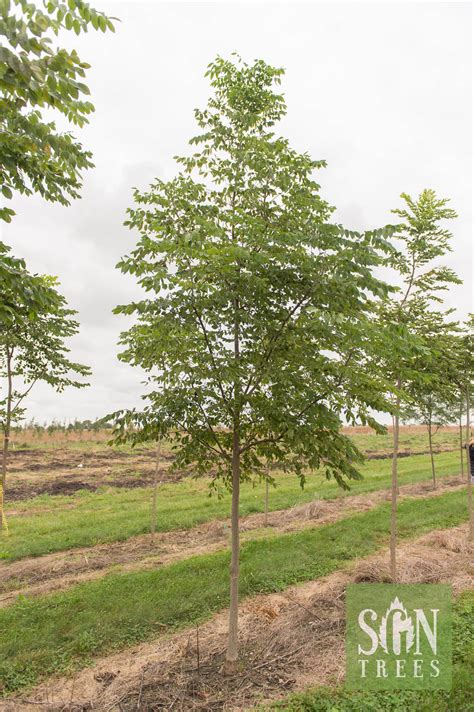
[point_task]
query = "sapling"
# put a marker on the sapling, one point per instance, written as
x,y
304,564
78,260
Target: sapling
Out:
x,y
463,367
267,484
462,451
423,239
431,390
33,348
155,491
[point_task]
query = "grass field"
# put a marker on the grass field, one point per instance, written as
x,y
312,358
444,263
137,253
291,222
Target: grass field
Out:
x,y
108,501
55,633
413,437
54,523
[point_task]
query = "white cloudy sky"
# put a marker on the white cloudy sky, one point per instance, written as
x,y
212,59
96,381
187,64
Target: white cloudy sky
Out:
x,y
382,91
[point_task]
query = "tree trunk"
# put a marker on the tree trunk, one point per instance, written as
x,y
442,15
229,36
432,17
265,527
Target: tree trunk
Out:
x,y
430,440
394,499
6,439
233,639
155,493
461,443
265,521
469,474
230,665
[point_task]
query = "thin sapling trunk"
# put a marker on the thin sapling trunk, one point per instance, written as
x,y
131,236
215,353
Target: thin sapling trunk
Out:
x,y
430,440
461,441
6,439
155,493
394,497
469,474
230,665
265,521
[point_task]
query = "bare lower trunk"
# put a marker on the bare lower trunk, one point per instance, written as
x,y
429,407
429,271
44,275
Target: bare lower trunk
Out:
x,y
265,521
6,440
461,442
394,498
230,665
155,493
233,641
469,474
3,519
433,471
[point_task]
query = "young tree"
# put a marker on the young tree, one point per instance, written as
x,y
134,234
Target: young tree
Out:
x,y
423,239
463,367
431,392
21,295
257,323
132,427
33,348
34,156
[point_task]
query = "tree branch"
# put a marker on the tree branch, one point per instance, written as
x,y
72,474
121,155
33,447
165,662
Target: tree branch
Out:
x,y
211,430
211,354
249,389
313,402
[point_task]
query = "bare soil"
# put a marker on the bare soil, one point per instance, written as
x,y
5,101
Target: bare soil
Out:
x,y
289,641
58,571
63,471
57,466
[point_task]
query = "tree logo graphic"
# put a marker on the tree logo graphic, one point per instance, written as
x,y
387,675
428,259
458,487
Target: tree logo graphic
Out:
x,y
396,626
398,636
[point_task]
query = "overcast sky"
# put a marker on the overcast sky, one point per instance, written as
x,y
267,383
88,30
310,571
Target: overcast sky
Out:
x,y
382,91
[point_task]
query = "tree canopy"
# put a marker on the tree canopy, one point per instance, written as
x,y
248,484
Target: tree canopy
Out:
x,y
33,348
36,76
240,246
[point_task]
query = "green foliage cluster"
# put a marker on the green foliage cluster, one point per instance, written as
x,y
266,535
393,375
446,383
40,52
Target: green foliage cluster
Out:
x,y
35,75
33,348
56,426
257,325
35,158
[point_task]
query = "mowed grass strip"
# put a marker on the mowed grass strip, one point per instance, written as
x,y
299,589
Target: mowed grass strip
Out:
x,y
63,631
459,699
46,524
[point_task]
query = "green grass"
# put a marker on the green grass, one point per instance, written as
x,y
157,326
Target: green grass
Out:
x,y
86,442
63,631
56,523
26,440
408,441
459,699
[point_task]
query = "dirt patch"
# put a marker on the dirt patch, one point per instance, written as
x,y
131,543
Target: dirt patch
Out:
x,y
371,455
64,471
58,571
70,485
289,641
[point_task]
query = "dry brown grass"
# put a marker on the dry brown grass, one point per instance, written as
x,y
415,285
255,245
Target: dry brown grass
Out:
x,y
289,641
